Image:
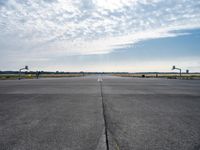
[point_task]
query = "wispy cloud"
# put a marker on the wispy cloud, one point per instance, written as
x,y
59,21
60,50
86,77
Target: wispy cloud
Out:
x,y
79,27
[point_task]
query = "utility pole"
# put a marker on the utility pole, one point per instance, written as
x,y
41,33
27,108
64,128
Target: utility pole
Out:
x,y
25,68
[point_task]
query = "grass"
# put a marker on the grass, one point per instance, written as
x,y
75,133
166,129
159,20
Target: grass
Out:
x,y
33,76
161,75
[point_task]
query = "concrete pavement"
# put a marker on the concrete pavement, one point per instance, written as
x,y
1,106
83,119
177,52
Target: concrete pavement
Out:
x,y
68,114
152,114
64,114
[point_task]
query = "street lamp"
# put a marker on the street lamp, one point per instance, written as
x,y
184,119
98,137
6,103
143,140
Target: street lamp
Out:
x,y
174,68
25,68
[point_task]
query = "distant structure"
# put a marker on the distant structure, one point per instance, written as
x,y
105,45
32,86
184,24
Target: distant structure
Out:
x,y
38,74
175,68
187,71
25,68
82,72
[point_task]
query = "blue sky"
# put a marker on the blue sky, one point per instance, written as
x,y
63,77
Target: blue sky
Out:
x,y
100,35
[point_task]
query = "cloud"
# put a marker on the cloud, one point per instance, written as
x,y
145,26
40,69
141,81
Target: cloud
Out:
x,y
45,28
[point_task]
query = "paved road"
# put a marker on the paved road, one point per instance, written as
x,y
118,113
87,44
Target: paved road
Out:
x,y
68,114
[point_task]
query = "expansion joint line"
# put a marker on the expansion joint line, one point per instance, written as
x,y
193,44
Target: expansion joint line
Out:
x,y
104,117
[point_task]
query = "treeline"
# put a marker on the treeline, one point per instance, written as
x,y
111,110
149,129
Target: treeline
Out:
x,y
81,72
59,72
42,72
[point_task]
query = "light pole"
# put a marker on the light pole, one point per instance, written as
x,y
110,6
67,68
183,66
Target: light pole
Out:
x,y
174,67
25,68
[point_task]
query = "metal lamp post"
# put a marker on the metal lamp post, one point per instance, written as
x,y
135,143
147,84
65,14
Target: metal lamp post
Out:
x,y
25,68
174,67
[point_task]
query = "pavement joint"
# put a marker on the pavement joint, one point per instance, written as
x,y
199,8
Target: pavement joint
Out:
x,y
104,117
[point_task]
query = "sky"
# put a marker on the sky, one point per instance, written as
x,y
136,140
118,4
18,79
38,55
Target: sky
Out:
x,y
100,35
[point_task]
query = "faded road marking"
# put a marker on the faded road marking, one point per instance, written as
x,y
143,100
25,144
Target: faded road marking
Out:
x,y
99,79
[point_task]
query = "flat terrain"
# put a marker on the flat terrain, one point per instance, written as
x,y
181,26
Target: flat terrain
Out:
x,y
99,113
33,76
161,75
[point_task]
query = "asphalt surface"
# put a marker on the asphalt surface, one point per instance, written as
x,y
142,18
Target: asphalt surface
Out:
x,y
99,113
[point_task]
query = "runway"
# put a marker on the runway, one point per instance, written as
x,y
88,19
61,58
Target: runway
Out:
x,y
100,113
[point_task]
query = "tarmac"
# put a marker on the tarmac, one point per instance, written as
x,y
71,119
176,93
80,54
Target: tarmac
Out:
x,y
100,113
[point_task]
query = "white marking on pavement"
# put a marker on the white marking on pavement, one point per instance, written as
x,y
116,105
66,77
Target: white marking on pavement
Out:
x,y
99,79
